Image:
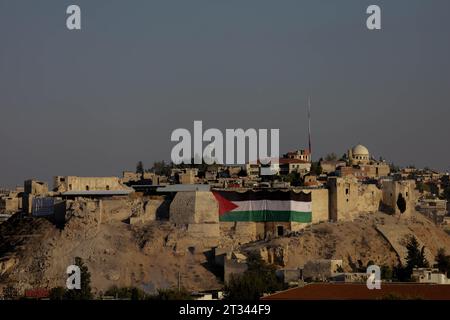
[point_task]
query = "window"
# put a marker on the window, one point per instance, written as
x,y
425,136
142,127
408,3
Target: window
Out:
x,y
107,187
346,191
87,188
280,230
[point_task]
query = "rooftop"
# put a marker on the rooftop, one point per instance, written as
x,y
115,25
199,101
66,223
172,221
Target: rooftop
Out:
x,y
359,291
97,193
184,187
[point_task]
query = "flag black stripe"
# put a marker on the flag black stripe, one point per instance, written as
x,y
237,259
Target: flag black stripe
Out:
x,y
251,195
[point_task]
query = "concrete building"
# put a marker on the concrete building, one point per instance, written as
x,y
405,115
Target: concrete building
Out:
x,y
32,189
128,176
73,183
35,187
291,165
252,169
303,155
188,176
429,275
350,277
234,170
321,270
435,209
11,202
331,166
372,170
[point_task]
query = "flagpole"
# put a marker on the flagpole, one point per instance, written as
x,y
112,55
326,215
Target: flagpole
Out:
x,y
309,127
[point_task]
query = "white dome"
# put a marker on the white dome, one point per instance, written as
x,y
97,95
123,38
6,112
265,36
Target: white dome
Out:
x,y
360,150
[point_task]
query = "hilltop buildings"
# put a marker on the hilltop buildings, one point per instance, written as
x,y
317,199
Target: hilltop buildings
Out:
x,y
344,190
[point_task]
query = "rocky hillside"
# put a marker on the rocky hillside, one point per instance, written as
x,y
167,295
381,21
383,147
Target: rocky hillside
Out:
x,y
34,253
356,242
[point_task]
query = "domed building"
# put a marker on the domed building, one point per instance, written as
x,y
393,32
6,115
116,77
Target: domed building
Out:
x,y
359,154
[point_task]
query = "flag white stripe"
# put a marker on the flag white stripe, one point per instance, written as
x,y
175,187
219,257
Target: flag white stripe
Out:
x,y
272,205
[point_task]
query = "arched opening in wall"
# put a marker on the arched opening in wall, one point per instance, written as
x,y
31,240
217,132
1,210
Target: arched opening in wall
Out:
x,y
280,231
87,188
107,187
401,203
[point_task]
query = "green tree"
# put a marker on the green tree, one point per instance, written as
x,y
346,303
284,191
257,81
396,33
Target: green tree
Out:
x,y
443,262
316,168
172,294
259,278
57,293
386,272
416,256
140,168
394,168
293,178
447,193
331,157
401,273
414,259
422,187
344,157
126,293
161,168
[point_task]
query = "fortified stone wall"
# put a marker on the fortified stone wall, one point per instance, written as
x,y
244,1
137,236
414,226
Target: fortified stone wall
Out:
x,y
390,193
200,212
194,207
72,183
348,198
320,206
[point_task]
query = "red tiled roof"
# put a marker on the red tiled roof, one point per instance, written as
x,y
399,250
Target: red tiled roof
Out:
x,y
359,291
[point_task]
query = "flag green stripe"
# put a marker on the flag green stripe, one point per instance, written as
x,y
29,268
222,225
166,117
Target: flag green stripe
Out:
x,y
266,216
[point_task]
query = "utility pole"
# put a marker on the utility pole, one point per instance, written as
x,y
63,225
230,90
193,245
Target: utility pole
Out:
x,y
309,127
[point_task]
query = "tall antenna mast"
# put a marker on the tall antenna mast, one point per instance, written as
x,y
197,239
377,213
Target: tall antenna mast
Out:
x,y
309,127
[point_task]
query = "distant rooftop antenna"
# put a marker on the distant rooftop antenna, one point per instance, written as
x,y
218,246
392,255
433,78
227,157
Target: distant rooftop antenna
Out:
x,y
309,127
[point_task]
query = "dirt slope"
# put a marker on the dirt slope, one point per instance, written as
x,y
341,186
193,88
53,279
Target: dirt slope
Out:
x,y
356,242
34,253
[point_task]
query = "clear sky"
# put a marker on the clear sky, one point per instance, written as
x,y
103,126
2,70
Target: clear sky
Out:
x,y
96,101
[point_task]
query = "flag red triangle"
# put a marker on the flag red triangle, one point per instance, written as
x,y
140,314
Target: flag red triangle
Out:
x,y
224,204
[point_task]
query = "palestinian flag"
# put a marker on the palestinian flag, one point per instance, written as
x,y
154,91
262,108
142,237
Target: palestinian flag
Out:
x,y
264,206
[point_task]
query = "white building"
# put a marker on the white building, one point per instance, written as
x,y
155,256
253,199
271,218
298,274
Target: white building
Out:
x,y
429,275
